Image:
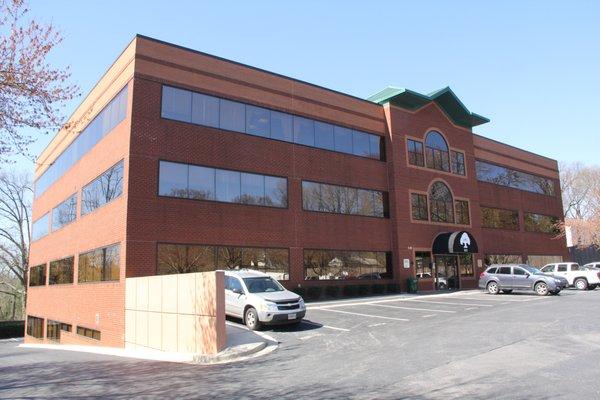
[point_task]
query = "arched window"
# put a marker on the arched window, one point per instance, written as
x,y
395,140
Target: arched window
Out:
x,y
436,152
441,204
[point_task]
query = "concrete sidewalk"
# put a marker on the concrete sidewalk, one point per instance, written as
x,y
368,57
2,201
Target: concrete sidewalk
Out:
x,y
241,345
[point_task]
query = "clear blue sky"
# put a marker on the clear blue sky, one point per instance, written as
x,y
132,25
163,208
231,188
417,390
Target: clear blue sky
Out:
x,y
532,67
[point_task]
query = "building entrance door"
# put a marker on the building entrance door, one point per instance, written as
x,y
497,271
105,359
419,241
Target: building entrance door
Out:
x,y
446,272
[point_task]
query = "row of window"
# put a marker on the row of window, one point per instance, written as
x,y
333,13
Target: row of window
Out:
x,y
204,183
509,219
435,154
534,260
441,206
35,328
343,200
105,121
98,265
197,108
318,264
102,190
504,176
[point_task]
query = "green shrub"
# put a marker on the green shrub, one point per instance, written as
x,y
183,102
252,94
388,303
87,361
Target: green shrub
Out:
x,y
300,291
313,292
350,290
378,288
364,290
393,288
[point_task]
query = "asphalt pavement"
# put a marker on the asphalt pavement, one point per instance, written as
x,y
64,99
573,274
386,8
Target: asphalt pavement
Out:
x,y
461,345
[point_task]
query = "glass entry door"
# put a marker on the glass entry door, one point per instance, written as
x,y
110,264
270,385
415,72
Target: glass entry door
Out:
x,y
446,273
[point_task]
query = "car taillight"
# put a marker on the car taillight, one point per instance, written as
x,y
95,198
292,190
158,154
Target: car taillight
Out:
x,y
483,273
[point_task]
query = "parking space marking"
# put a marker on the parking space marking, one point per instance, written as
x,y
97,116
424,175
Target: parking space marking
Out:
x,y
502,298
335,328
450,303
470,308
366,315
413,308
428,316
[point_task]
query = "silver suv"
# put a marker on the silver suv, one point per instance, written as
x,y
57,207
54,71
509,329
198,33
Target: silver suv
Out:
x,y
258,299
509,277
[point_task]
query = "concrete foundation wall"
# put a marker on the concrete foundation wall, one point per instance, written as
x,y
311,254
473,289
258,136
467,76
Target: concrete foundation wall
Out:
x,y
176,313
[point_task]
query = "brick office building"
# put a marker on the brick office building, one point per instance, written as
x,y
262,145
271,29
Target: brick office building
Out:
x,y
183,161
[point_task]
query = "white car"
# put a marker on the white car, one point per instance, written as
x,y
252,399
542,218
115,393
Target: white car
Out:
x,y
592,265
258,299
582,279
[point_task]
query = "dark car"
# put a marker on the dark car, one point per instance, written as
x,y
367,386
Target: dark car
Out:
x,y
519,277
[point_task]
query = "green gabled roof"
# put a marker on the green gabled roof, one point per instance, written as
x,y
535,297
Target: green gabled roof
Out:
x,y
444,98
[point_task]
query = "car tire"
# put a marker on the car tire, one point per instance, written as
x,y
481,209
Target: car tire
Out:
x,y
555,292
251,319
507,291
493,288
580,284
541,288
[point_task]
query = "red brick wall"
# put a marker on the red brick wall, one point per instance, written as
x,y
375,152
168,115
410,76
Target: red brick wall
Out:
x,y
98,305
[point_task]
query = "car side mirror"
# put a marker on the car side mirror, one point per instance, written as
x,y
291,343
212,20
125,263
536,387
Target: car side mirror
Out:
x,y
526,275
238,291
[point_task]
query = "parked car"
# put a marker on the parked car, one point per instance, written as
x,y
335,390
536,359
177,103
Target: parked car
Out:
x,y
519,277
582,279
592,265
259,299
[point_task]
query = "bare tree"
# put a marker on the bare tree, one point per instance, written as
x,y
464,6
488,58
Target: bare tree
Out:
x,y
581,201
32,92
15,218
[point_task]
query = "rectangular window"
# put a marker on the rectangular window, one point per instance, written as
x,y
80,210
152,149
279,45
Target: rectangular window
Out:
x,y
205,183
179,258
346,265
465,263
491,259
281,126
205,110
541,223
499,218
53,330
462,212
415,153
103,189
419,206
197,108
40,228
110,116
457,162
35,327
423,264
304,131
37,275
343,139
324,136
360,144
61,271
64,213
232,116
503,176
258,121
343,200
539,261
66,327
99,265
87,332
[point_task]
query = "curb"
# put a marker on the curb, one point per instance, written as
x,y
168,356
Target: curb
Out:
x,y
231,354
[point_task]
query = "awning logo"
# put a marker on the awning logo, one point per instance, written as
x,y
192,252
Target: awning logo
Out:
x,y
465,241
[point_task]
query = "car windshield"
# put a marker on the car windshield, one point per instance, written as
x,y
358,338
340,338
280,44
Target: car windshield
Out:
x,y
262,285
533,270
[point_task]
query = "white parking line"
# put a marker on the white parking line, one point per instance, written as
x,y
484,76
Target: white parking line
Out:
x,y
450,303
366,315
501,298
428,315
470,308
326,326
413,308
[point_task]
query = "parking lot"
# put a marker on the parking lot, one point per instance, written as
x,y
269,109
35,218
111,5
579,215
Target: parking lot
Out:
x,y
460,345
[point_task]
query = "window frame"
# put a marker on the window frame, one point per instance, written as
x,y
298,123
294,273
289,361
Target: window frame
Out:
x,y
518,216
103,249
389,259
123,187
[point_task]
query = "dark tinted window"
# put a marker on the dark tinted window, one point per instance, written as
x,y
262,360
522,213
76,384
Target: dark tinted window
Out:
x,y
64,213
574,267
516,179
415,153
99,265
441,204
53,330
103,189
462,212
504,270
541,223
343,200
87,332
61,271
562,268
37,275
548,268
337,264
419,206
499,218
458,162
35,327
436,152
492,270
519,271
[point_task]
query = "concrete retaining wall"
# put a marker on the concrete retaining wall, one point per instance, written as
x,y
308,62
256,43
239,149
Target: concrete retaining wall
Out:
x,y
182,313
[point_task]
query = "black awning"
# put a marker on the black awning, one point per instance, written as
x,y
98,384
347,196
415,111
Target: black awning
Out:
x,y
454,242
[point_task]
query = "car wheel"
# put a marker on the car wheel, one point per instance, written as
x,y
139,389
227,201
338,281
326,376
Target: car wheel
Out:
x,y
581,284
493,288
541,289
251,319
507,291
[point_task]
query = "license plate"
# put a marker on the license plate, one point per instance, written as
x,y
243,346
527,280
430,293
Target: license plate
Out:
x,y
291,316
